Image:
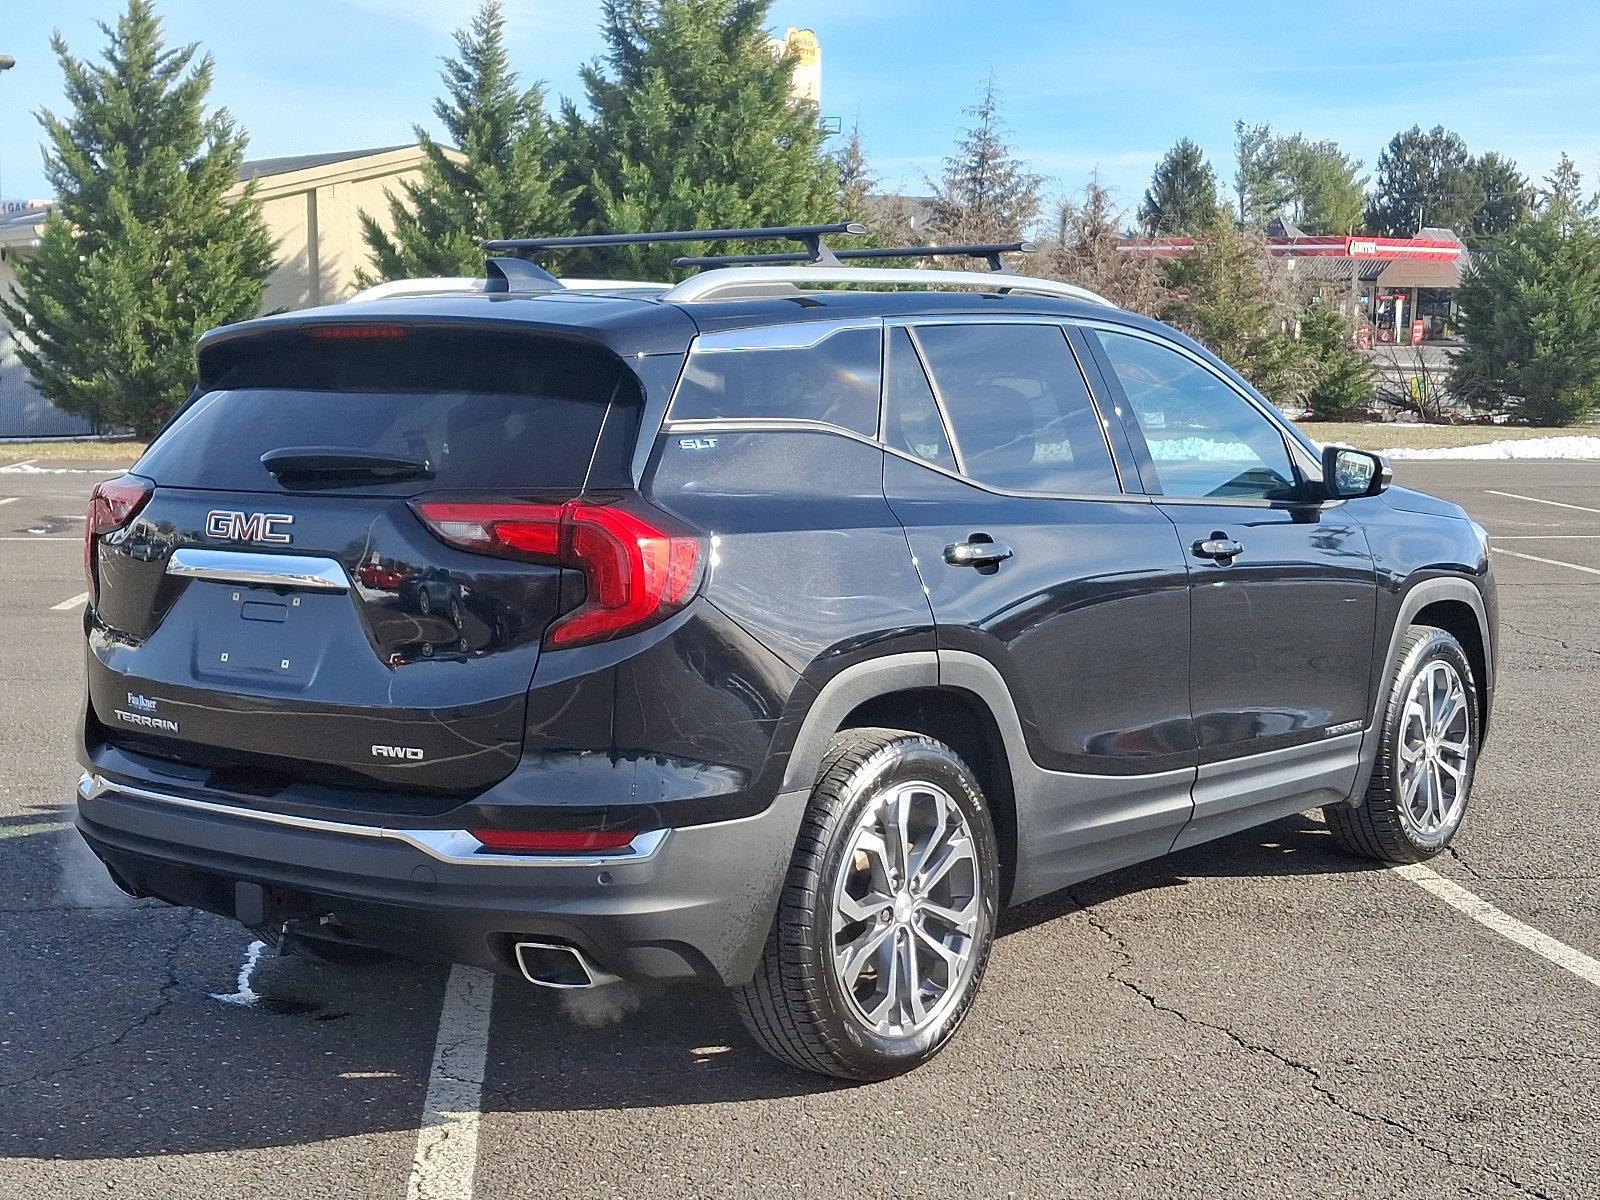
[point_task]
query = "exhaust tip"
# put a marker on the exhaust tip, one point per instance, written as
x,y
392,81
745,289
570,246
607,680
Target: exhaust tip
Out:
x,y
556,965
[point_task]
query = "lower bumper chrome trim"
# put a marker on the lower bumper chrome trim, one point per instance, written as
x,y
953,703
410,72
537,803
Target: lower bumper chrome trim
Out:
x,y
456,846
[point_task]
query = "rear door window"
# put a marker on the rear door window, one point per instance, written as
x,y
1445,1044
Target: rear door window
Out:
x,y
784,373
911,419
1019,409
484,411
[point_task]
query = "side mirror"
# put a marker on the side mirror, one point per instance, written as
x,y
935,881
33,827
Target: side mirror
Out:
x,y
1348,474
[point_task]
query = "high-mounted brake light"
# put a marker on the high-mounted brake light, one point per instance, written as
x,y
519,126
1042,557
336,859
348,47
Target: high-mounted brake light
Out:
x,y
637,572
358,333
519,841
112,504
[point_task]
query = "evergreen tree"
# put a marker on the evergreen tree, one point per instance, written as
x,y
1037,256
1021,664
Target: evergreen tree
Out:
x,y
143,251
1182,196
1322,186
1530,313
498,181
986,193
856,179
1257,175
1226,295
1424,179
1562,195
691,126
1339,382
1503,197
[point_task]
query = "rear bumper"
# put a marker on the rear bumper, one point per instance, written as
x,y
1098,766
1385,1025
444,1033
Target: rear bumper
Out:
x,y
689,903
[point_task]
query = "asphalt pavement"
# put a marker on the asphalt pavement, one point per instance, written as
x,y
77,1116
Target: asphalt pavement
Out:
x,y
1255,1017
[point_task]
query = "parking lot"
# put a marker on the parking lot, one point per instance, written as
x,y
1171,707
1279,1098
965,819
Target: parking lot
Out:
x,y
1255,1017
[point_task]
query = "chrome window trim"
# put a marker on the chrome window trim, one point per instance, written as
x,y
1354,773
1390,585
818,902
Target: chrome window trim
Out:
x,y
263,570
938,398
456,846
1298,454
725,425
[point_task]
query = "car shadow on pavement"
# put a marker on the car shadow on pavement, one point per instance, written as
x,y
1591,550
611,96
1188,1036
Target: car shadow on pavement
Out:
x,y
138,1057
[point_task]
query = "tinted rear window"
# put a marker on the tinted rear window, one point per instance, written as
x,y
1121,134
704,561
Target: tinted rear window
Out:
x,y
485,411
834,381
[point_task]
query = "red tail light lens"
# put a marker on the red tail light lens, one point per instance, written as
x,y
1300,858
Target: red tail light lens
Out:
x,y
112,505
358,333
637,572
518,841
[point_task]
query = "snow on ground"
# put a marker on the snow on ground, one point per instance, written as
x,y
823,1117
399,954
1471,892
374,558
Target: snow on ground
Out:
x,y
1568,447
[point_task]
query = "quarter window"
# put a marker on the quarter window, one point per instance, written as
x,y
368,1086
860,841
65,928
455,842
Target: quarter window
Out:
x,y
1205,438
911,417
1019,409
793,378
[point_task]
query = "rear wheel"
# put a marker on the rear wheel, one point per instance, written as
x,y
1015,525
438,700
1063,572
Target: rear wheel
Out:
x,y
887,914
1423,777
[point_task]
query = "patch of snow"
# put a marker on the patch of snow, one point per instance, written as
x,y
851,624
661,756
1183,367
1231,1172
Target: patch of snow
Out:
x,y
245,996
30,469
1586,447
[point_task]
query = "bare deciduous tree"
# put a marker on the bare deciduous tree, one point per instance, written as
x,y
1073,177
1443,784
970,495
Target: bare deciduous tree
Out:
x,y
1083,249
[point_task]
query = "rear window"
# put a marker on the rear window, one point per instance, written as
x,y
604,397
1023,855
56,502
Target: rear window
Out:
x,y
484,411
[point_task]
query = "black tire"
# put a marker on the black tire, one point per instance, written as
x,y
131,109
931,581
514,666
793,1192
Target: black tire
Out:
x,y
1379,828
796,1007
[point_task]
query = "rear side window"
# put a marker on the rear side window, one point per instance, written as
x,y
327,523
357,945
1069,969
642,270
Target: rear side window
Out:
x,y
1019,409
911,417
484,411
792,378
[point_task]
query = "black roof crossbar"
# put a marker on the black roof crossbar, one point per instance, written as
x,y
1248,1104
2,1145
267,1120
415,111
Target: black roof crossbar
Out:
x,y
809,236
989,252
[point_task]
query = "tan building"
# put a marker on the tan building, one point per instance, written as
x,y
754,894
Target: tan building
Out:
x,y
312,205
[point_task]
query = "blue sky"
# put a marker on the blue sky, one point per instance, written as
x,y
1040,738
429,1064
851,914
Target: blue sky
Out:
x,y
1088,86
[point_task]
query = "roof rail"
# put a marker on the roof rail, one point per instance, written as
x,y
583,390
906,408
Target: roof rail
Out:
x,y
810,236
710,283
990,253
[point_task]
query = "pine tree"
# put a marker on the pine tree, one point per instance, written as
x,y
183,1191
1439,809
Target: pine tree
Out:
x,y
986,193
1226,295
1182,196
1504,192
498,182
691,126
143,252
1340,381
1530,313
1424,179
856,179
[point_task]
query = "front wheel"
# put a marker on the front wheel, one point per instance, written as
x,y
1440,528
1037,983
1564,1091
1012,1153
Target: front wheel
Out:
x,y
887,914
1423,777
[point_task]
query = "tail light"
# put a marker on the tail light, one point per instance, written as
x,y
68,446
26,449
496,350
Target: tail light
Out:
x,y
637,572
112,505
519,841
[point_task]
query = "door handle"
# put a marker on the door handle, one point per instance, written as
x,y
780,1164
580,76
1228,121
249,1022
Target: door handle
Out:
x,y
1220,547
976,554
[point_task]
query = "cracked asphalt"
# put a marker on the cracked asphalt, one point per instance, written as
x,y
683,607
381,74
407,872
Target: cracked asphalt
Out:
x,y
1256,1017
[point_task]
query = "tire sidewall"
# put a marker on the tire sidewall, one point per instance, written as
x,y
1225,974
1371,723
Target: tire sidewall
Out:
x,y
911,759
1437,646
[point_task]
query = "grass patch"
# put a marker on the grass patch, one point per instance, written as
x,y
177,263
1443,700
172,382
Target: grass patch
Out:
x,y
1431,437
14,452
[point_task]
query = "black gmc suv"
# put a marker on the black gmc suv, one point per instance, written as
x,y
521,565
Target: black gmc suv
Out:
x,y
755,631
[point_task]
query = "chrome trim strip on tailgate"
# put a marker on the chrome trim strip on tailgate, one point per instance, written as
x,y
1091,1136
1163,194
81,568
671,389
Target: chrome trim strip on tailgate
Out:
x,y
448,845
267,570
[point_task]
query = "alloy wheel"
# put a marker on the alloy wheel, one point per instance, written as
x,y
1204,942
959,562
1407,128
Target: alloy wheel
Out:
x,y
906,909
1435,750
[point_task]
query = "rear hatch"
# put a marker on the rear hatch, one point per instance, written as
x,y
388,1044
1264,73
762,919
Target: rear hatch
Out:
x,y
278,611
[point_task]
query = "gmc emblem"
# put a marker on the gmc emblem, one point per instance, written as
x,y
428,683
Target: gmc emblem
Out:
x,y
248,527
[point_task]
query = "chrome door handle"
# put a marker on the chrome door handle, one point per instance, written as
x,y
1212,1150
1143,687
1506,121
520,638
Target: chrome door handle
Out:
x,y
1220,547
976,554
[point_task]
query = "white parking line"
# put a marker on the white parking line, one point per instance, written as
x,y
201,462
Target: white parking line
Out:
x,y
1490,917
9,499
78,540
1553,562
447,1142
80,598
1536,500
